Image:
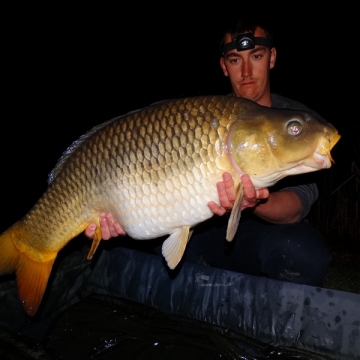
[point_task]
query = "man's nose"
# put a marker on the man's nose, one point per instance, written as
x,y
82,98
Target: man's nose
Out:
x,y
246,69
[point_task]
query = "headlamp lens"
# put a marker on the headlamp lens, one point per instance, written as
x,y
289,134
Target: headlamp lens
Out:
x,y
245,42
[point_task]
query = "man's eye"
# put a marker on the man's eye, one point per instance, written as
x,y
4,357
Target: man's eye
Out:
x,y
234,60
257,56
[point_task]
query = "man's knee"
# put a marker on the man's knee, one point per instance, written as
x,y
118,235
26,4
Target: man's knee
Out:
x,y
296,253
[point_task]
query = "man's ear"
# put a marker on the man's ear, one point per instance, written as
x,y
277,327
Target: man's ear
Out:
x,y
272,57
223,67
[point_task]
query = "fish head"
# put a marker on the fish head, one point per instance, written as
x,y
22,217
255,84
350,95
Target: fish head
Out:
x,y
280,142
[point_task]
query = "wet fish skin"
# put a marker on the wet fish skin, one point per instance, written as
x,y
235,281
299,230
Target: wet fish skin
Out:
x,y
155,170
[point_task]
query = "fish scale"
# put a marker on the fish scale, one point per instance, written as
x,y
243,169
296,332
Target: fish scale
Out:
x,y
155,170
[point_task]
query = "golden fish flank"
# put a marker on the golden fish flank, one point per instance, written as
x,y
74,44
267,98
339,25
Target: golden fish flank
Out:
x,y
155,170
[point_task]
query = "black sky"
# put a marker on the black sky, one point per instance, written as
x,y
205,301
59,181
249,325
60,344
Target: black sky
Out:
x,y
61,79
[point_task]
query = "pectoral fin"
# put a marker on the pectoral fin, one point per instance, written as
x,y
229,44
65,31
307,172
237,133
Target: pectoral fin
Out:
x,y
174,246
235,214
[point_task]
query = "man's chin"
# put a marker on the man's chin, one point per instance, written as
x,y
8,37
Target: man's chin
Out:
x,y
249,95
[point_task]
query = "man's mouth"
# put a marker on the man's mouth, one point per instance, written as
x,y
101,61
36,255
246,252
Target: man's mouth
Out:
x,y
248,83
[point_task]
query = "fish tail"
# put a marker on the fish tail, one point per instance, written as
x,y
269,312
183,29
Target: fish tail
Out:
x,y
32,273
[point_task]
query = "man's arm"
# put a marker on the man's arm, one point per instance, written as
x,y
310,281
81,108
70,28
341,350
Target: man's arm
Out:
x,y
282,207
285,206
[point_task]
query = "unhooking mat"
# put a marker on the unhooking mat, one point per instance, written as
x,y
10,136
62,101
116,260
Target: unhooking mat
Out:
x,y
131,305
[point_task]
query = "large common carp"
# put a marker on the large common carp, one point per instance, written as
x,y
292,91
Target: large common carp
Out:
x,y
155,170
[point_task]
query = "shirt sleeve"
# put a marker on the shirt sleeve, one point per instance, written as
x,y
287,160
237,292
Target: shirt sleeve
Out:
x,y
307,194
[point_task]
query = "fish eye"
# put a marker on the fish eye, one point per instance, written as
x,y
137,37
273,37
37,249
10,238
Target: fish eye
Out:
x,y
294,128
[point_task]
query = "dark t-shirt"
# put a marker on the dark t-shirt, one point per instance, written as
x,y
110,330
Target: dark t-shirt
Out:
x,y
278,101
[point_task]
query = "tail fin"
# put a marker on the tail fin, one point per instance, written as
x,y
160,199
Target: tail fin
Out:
x,y
31,275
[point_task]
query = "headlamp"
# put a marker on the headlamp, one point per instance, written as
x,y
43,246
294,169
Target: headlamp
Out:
x,y
246,41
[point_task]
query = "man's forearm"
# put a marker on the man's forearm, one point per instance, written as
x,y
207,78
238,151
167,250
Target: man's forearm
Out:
x,y
283,207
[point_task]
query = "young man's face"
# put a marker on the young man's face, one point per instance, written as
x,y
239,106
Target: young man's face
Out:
x,y
249,70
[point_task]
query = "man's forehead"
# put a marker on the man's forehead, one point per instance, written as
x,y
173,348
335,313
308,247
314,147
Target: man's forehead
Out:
x,y
235,53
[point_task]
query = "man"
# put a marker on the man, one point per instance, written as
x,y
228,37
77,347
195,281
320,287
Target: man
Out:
x,y
272,239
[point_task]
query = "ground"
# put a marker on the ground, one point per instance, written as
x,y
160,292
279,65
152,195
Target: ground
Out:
x,y
344,273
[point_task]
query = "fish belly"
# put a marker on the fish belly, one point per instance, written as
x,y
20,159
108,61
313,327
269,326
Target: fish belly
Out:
x,y
148,211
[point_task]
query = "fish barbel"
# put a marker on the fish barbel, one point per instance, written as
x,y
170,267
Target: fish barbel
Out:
x,y
155,170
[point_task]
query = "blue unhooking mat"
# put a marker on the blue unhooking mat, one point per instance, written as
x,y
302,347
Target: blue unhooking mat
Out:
x,y
127,304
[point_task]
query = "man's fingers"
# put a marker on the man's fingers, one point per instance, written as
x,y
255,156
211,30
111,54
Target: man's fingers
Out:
x,y
252,197
262,194
229,188
226,192
108,226
223,196
118,229
215,209
90,231
104,227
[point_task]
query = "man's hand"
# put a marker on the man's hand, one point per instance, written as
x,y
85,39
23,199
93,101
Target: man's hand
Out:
x,y
109,227
252,197
227,194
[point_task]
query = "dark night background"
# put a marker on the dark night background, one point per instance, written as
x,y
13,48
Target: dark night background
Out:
x,y
61,77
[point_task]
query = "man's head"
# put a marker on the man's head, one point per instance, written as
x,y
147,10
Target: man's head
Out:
x,y
247,57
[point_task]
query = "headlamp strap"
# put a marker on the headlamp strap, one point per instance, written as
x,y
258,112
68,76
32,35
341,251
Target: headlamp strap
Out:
x,y
246,41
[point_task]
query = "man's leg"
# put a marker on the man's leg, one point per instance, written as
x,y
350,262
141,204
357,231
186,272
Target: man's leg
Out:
x,y
290,252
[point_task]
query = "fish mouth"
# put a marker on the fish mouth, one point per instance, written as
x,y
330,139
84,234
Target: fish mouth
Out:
x,y
322,158
334,140
321,161
327,146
